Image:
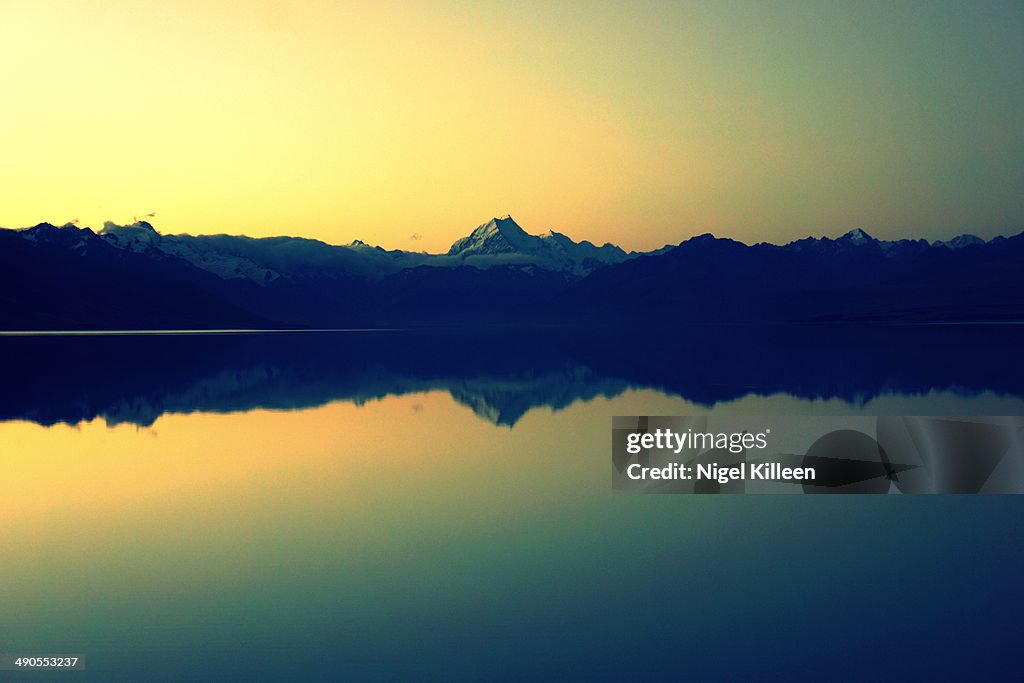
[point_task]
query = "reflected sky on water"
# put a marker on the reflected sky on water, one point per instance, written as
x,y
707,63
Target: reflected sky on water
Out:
x,y
395,528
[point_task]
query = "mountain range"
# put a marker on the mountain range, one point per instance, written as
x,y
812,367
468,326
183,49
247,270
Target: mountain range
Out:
x,y
498,242
133,277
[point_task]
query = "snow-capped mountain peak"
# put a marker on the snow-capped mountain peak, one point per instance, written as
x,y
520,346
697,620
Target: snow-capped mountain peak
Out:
x,y
858,237
139,237
67,235
502,240
496,236
961,241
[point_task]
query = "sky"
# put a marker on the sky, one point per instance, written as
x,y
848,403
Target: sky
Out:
x,y
407,124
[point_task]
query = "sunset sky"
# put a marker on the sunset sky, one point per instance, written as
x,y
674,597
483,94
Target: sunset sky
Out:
x,y
640,123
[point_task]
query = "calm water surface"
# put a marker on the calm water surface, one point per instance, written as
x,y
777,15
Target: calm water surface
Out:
x,y
417,535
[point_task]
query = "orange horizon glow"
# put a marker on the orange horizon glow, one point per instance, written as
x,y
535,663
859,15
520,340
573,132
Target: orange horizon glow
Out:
x,y
407,124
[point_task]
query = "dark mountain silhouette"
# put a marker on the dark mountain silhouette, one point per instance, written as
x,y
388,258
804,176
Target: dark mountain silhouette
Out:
x,y
134,277
855,277
70,278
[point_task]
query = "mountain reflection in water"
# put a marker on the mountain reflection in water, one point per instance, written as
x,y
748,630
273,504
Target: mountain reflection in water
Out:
x,y
500,374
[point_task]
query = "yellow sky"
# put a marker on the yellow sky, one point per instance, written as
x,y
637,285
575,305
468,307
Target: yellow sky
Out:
x,y
635,123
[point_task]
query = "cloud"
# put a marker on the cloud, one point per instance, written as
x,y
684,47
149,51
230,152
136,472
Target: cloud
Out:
x,y
416,236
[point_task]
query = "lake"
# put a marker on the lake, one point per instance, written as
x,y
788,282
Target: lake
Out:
x,y
437,505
